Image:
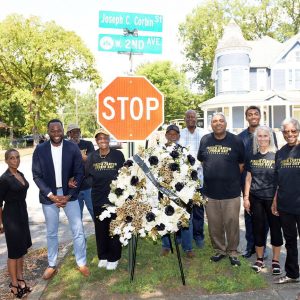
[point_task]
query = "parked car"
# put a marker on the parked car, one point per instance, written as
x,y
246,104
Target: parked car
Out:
x,y
114,144
28,139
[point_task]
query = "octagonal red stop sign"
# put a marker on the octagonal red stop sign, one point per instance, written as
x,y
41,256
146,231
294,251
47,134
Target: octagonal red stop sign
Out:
x,y
130,108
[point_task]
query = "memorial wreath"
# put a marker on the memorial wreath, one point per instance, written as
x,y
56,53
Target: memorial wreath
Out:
x,y
154,193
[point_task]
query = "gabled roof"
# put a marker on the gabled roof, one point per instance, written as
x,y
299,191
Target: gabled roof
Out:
x,y
286,47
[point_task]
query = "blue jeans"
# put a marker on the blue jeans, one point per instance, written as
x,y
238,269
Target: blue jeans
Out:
x,y
198,224
72,211
183,236
84,196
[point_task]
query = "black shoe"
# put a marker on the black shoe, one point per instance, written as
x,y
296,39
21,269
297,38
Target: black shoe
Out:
x,y
217,257
234,261
248,253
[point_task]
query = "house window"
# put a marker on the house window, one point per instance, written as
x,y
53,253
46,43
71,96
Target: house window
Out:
x,y
226,86
293,79
261,79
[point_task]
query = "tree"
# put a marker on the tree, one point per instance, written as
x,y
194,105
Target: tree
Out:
x,y
173,84
203,28
38,63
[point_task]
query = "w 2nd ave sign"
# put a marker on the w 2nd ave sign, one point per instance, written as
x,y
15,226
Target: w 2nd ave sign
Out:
x,y
121,20
134,44
130,108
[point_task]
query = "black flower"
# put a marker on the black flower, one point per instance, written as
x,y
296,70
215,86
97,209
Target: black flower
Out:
x,y
194,175
179,186
153,160
169,210
128,219
119,191
174,167
160,227
174,154
191,159
134,180
150,216
128,163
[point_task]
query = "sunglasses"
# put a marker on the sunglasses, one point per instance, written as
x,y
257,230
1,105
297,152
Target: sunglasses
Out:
x,y
294,131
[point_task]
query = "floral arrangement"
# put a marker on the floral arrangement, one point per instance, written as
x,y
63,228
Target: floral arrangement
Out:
x,y
139,201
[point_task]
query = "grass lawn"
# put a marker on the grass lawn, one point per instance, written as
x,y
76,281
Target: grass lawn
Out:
x,y
154,275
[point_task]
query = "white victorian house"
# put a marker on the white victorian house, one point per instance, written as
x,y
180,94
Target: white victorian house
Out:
x,y
263,72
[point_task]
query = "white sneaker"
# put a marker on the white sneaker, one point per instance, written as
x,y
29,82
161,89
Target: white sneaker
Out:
x,y
102,263
112,265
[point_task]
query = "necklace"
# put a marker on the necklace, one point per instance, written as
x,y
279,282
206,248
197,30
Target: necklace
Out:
x,y
103,156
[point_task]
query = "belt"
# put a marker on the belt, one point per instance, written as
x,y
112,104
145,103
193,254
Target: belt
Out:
x,y
59,187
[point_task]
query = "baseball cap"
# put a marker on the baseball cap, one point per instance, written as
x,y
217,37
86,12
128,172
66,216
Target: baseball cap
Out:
x,y
101,130
72,126
173,127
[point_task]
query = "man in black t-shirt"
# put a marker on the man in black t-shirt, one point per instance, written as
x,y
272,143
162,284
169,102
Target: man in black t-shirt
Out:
x,y
86,147
222,156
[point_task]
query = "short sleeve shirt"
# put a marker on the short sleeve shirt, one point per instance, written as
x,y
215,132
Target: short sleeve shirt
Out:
x,y
220,160
287,166
262,169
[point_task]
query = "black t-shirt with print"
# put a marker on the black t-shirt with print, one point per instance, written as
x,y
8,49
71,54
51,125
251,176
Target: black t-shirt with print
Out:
x,y
220,160
87,147
103,171
287,166
262,169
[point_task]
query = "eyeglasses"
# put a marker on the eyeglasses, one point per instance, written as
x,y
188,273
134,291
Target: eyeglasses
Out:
x,y
293,131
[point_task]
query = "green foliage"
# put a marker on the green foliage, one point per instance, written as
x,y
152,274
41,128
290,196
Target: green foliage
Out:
x,y
4,143
153,273
38,63
86,112
174,86
203,27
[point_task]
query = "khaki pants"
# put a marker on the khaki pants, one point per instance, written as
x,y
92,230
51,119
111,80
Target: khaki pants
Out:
x,y
223,224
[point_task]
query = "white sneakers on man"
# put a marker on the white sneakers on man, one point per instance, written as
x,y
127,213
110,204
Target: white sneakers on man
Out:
x,y
112,265
102,263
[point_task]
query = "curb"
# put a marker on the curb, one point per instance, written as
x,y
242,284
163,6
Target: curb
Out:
x,y
41,285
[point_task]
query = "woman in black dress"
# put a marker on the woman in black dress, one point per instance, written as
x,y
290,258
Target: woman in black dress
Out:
x,y
14,221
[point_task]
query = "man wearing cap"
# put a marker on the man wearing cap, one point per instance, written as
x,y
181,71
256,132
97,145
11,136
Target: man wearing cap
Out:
x,y
102,168
53,164
172,136
190,138
86,147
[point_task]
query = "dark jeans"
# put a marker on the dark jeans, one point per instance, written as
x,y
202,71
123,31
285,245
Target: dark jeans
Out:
x,y
291,229
108,248
262,214
198,223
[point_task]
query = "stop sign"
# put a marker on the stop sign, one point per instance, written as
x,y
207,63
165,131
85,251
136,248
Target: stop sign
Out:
x,y
130,108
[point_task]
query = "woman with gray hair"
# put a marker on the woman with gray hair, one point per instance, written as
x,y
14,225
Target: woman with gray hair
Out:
x,y
286,203
258,196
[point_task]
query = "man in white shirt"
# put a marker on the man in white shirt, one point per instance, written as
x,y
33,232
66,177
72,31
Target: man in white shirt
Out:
x,y
190,138
53,164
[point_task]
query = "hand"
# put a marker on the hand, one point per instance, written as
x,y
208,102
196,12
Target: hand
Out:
x,y
274,208
1,228
72,184
247,205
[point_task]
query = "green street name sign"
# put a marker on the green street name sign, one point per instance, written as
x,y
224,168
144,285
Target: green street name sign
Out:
x,y
121,20
134,44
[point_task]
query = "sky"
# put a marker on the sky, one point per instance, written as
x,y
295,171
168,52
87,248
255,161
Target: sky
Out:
x,y
82,17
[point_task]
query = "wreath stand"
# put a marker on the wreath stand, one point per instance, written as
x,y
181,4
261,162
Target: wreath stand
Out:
x,y
132,247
